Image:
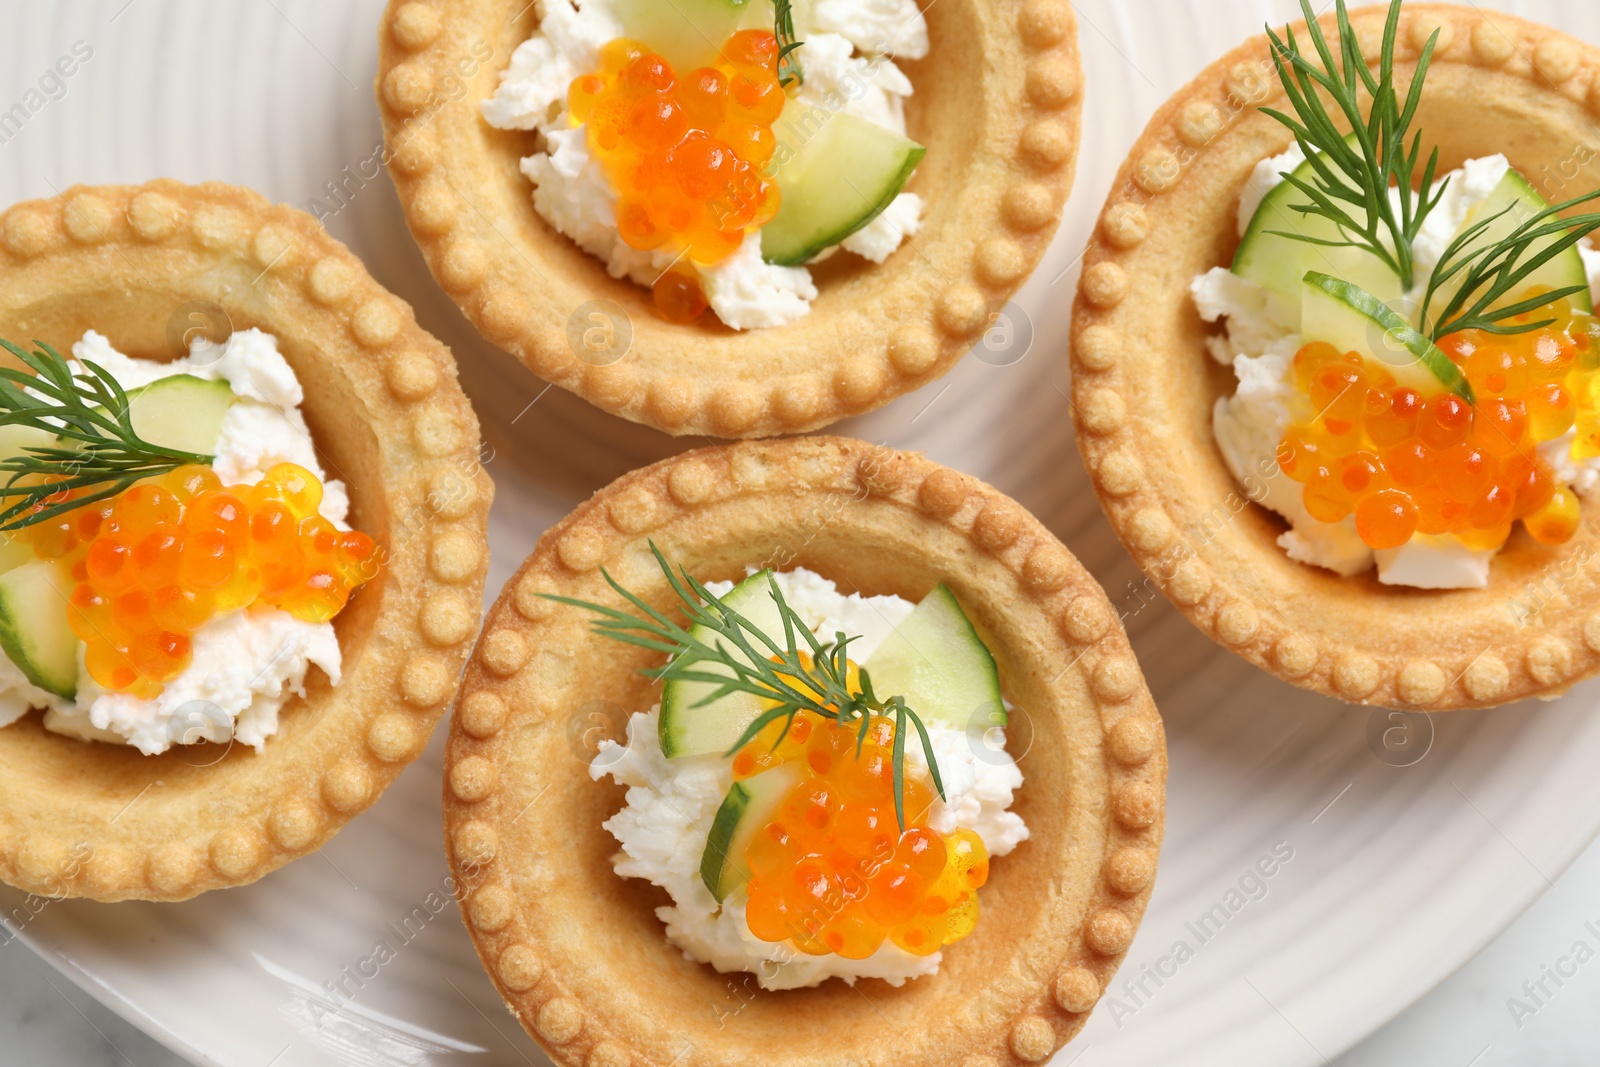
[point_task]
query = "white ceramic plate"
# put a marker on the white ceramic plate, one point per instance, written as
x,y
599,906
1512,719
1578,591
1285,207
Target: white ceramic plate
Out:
x,y
1386,879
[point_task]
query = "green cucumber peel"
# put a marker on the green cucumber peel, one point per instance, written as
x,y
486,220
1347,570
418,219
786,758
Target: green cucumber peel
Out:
x,y
1395,325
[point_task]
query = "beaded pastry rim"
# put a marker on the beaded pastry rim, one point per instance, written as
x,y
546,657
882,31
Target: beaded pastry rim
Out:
x,y
211,241
1392,667
763,382
506,698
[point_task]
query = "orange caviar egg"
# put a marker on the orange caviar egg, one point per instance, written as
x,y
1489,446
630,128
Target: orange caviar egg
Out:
x,y
106,563
1552,355
1532,489
1386,519
853,935
1403,463
894,895
678,297
685,152
1309,359
1463,471
923,936
1410,463
1436,513
1496,370
1551,410
1338,391
155,563
1557,520
1298,454
1324,497
1490,510
1488,539
866,830
751,50
924,852
831,870
189,482
1498,424
1397,421
139,508
1359,473
1445,422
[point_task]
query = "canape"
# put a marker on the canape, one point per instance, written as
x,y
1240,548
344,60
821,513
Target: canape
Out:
x,y
933,772
243,546
1333,387
736,219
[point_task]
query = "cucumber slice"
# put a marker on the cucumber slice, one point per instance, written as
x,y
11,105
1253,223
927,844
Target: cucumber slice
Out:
x,y
1278,264
758,16
1353,320
14,440
34,631
690,730
745,810
14,551
936,660
182,412
690,33
1512,203
845,172
687,33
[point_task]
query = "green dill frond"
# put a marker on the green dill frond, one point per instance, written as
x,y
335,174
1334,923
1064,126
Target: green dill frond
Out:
x,y
800,673
96,447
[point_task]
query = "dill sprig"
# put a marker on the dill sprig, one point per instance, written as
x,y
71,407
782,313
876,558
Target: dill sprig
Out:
x,y
1360,174
1374,161
795,679
1492,273
98,448
783,29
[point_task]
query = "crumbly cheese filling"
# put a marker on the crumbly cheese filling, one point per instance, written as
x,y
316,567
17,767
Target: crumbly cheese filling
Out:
x,y
246,664
663,827
848,63
1259,345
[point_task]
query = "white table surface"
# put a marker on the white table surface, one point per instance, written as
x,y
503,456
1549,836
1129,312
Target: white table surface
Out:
x,y
46,1021
1467,1022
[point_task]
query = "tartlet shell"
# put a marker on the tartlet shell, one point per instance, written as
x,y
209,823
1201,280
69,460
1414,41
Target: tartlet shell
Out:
x,y
577,951
998,105
1144,386
102,821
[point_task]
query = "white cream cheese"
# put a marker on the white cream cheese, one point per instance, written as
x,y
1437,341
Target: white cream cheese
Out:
x,y
878,239
1259,344
663,827
246,664
748,293
847,66
875,27
1267,176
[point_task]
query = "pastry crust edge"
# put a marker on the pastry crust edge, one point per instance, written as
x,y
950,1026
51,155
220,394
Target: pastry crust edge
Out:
x,y
834,365
481,797
404,673
1387,670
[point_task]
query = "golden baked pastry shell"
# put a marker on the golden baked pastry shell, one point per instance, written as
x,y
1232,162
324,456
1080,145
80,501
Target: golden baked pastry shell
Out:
x,y
100,820
577,950
997,104
1144,385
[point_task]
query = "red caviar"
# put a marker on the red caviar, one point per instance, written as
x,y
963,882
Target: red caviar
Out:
x,y
686,152
1405,463
158,561
831,869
